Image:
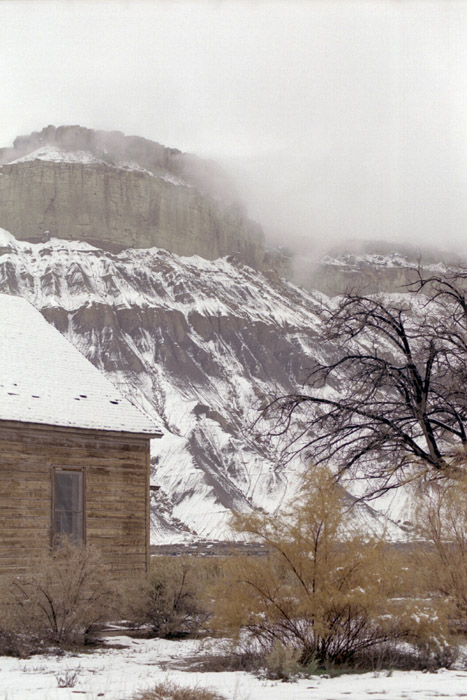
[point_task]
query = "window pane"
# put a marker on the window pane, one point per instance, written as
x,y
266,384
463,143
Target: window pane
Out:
x,y
69,504
68,490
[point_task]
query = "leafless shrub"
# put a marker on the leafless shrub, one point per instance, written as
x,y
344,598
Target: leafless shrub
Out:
x,y
172,600
62,602
68,679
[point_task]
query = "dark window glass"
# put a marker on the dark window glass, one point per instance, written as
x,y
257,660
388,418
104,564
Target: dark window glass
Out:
x,y
69,504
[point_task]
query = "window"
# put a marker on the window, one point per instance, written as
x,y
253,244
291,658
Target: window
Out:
x,y
69,520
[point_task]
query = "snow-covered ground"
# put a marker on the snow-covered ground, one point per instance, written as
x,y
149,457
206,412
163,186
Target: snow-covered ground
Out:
x,y
119,673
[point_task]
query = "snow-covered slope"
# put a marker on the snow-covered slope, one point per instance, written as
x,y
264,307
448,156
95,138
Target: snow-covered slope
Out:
x,y
199,344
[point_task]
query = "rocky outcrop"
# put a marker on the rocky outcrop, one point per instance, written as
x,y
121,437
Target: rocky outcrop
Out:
x,y
376,266
113,147
333,279
119,192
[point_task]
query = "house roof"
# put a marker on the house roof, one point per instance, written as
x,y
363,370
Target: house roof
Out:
x,y
45,379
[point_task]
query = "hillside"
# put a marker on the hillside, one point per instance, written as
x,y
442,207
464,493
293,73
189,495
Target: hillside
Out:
x,y
144,258
199,344
376,266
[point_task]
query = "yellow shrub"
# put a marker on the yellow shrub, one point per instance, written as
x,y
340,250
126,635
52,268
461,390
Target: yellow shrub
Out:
x,y
441,564
324,588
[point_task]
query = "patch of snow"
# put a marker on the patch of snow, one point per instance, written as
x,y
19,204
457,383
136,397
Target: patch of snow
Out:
x,y
174,180
7,239
120,673
50,153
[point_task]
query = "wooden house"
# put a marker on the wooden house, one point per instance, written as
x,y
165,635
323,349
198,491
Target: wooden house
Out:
x,y
74,454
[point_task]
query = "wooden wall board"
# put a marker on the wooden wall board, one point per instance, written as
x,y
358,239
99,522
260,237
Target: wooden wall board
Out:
x,y
116,469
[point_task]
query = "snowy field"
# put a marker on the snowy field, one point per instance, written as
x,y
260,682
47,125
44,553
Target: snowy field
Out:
x,y
118,673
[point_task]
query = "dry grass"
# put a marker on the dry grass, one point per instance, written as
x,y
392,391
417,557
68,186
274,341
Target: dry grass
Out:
x,y
173,691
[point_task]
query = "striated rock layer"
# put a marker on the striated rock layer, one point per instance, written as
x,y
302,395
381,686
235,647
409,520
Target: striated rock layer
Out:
x,y
117,192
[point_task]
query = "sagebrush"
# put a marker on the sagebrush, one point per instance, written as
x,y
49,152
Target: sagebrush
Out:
x,y
442,522
324,591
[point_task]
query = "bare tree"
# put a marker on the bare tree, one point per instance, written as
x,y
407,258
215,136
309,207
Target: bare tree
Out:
x,y
391,400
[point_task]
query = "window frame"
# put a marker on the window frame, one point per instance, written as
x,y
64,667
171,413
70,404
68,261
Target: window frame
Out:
x,y
82,471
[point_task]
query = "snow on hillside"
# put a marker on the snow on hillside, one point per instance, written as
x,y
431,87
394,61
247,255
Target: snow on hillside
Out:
x,y
358,260
199,344
59,156
56,155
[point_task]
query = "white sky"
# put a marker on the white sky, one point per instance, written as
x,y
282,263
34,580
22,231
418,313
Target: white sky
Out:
x,y
344,119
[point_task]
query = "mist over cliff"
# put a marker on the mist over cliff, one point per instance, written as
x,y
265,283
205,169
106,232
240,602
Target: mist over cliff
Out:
x,y
119,191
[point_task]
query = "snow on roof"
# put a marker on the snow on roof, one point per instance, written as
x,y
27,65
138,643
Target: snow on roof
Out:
x,y
44,379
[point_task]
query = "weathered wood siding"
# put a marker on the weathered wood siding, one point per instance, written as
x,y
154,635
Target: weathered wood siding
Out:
x,y
116,504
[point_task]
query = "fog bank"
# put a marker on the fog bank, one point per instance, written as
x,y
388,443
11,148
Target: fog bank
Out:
x,y
338,119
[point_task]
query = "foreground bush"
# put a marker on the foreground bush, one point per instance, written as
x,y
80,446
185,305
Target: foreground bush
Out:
x,y
62,603
325,594
172,600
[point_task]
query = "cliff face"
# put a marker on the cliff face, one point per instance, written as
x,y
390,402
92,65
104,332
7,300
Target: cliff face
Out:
x,y
119,192
113,147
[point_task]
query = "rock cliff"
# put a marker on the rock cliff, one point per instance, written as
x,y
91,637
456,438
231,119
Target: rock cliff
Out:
x,y
120,191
